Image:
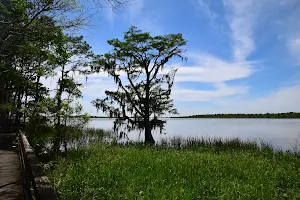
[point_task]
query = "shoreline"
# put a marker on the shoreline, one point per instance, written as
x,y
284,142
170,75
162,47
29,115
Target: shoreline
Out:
x,y
288,115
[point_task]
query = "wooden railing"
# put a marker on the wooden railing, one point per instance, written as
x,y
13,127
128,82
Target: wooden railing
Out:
x,y
35,182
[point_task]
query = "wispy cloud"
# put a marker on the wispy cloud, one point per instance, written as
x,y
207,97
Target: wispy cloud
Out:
x,y
241,16
284,99
205,7
294,47
110,15
211,69
221,90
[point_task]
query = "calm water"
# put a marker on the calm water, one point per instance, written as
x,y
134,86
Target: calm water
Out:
x,y
281,133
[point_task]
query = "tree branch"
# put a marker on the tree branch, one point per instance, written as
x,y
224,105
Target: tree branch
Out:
x,y
127,93
164,61
135,89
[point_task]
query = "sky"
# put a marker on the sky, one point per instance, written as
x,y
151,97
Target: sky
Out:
x,y
243,55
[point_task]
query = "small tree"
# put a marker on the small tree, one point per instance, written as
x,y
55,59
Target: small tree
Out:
x,y
143,94
70,56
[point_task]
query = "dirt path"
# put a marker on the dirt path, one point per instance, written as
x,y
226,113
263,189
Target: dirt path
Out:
x,y
10,175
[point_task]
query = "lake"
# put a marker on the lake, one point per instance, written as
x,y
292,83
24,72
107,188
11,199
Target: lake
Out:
x,y
281,133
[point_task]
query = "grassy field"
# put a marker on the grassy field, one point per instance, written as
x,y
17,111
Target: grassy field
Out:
x,y
210,172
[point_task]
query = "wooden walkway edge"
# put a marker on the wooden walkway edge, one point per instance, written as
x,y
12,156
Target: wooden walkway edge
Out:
x,y
10,173
21,175
33,175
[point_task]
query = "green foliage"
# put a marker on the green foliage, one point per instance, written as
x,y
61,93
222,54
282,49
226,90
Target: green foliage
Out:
x,y
144,94
118,172
27,30
34,45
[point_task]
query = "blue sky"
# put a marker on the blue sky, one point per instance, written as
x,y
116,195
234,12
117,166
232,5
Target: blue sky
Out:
x,y
243,55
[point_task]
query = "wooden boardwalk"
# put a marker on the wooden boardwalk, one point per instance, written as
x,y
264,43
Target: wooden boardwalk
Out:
x,y
10,174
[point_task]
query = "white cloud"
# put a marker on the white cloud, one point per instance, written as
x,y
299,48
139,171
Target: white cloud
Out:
x,y
214,71
221,90
284,99
209,68
241,16
96,88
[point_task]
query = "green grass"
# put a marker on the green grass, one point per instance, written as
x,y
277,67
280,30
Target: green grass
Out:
x,y
213,171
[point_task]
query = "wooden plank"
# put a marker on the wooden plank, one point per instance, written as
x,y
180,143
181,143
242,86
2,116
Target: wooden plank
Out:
x,y
10,174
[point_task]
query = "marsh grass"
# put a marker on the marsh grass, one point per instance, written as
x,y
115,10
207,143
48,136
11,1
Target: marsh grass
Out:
x,y
89,137
178,168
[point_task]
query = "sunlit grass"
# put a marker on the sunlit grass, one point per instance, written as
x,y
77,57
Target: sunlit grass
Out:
x,y
178,169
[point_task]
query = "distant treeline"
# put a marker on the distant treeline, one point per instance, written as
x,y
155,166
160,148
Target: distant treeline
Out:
x,y
99,117
266,115
91,116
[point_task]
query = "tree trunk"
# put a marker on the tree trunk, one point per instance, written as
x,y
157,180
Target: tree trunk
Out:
x,y
36,98
148,135
25,105
18,113
58,125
